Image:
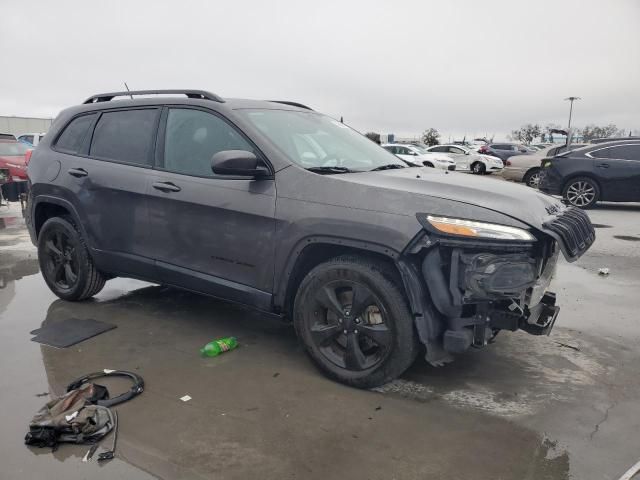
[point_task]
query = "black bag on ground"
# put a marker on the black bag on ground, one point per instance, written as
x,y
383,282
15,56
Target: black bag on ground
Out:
x,y
72,418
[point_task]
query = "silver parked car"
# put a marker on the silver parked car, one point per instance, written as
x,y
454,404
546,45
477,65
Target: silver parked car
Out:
x,y
526,168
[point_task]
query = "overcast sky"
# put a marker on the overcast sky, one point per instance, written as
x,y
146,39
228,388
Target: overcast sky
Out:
x,y
462,66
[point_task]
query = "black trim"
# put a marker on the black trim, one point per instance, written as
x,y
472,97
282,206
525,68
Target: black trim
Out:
x,y
214,286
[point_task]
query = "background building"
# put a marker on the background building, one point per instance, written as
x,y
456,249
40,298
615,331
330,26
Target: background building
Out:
x,y
20,125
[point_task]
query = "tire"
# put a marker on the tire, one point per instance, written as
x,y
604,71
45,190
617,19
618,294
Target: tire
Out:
x,y
65,262
478,168
581,192
428,164
532,178
383,314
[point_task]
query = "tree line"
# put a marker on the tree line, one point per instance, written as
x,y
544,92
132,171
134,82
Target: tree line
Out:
x,y
530,132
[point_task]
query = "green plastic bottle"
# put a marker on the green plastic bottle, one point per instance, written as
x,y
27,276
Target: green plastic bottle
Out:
x,y
221,345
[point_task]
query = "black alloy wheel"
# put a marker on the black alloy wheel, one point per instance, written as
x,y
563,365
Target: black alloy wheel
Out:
x,y
352,316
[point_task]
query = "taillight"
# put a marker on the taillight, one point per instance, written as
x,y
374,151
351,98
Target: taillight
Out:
x,y
27,157
507,163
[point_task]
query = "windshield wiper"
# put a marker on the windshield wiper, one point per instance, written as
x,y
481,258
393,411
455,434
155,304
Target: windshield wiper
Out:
x,y
390,166
329,170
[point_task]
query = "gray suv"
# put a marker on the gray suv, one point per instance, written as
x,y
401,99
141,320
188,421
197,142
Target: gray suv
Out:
x,y
285,210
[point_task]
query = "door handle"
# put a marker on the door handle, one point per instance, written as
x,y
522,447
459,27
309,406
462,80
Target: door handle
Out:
x,y
166,187
602,165
77,172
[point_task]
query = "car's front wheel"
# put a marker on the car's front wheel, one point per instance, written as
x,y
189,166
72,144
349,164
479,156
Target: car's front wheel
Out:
x,y
354,322
581,192
65,262
478,168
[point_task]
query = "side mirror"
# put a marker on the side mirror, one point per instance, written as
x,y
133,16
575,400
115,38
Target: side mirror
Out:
x,y
238,163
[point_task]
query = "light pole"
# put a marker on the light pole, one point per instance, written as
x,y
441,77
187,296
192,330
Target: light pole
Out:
x,y
571,99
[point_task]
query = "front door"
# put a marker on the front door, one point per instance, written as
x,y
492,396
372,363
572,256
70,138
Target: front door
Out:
x,y
210,233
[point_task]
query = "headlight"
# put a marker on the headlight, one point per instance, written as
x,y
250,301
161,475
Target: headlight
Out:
x,y
470,228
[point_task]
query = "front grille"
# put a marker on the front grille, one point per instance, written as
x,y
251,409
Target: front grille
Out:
x,y
574,232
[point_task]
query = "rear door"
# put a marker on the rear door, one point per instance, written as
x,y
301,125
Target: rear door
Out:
x,y
108,184
210,233
619,166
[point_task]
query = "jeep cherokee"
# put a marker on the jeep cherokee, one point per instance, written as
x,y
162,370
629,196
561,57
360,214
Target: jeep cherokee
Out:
x,y
275,206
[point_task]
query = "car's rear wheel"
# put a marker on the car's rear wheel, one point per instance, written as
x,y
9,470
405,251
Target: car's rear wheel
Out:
x,y
581,192
478,168
532,178
355,322
65,262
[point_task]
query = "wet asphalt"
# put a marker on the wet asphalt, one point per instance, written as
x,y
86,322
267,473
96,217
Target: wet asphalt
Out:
x,y
557,407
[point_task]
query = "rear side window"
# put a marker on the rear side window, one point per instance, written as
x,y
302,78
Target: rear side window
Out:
x,y
193,137
74,135
125,136
625,152
603,153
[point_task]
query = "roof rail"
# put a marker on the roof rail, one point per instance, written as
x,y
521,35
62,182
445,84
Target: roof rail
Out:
x,y
293,104
106,97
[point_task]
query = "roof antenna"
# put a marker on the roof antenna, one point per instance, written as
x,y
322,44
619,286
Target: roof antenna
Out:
x,y
127,87
341,120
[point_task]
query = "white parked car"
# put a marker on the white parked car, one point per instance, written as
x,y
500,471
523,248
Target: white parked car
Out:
x,y
474,161
32,139
416,155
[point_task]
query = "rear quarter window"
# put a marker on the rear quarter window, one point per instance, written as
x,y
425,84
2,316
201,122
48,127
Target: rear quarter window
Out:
x,y
75,133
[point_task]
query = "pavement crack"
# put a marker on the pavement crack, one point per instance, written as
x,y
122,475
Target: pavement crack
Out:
x,y
604,419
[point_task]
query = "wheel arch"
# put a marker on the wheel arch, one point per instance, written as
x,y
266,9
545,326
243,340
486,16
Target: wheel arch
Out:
x,y
47,207
312,251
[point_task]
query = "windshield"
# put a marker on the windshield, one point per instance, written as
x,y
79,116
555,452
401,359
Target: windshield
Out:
x,y
313,140
15,149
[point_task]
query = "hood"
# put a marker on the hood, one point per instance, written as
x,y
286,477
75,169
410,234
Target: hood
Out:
x,y
519,202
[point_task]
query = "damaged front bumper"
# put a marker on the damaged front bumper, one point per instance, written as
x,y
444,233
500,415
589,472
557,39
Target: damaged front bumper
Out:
x,y
477,288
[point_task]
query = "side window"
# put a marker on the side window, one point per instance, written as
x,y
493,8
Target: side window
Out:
x,y
125,136
602,153
75,134
403,151
26,138
625,152
456,150
390,149
193,137
438,149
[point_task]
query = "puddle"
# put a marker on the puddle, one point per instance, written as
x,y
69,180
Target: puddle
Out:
x,y
628,238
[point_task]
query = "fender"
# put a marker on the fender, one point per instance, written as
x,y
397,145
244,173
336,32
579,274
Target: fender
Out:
x,y
282,275
62,203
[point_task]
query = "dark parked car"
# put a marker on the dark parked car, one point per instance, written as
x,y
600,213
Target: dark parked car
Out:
x,y
606,171
275,206
504,150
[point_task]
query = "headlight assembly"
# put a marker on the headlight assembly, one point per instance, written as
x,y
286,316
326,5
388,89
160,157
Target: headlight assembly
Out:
x,y
473,229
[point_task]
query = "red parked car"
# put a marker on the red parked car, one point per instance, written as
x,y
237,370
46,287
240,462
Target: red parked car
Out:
x,y
13,157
